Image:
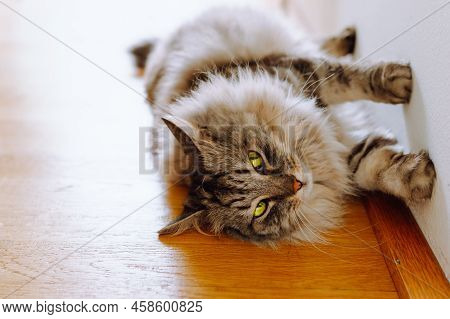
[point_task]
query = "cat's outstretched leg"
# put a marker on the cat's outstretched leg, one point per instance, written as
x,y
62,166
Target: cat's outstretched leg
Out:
x,y
385,83
341,44
377,163
334,82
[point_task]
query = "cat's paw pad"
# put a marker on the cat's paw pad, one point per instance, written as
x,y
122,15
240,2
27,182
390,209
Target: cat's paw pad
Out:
x,y
419,176
396,80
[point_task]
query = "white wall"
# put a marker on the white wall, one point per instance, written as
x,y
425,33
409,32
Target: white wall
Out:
x,y
425,122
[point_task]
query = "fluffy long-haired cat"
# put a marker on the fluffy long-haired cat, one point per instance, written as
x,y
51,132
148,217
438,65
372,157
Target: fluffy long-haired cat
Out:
x,y
261,143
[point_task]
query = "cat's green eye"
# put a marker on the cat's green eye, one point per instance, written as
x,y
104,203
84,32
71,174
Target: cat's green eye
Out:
x,y
256,160
260,208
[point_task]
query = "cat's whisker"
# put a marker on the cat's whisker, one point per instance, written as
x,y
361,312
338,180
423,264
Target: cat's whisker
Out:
x,y
320,81
335,235
322,251
303,218
327,234
343,228
300,223
309,77
310,223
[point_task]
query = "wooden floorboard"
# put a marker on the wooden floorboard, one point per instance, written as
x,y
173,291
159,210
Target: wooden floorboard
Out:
x,y
410,260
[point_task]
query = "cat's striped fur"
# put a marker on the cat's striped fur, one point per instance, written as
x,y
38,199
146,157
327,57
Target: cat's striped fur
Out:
x,y
236,80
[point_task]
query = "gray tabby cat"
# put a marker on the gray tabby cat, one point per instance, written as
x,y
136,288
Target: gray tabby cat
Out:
x,y
264,149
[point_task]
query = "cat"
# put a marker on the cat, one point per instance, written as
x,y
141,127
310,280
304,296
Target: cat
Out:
x,y
267,153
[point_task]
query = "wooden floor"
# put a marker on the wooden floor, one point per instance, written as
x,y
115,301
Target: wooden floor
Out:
x,y
77,220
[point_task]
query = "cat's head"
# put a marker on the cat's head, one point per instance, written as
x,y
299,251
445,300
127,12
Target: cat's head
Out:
x,y
263,166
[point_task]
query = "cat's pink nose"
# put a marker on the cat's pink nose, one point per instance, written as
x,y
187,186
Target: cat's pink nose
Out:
x,y
297,185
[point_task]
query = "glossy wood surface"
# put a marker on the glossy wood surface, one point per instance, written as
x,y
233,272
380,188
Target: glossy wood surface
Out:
x,y
412,264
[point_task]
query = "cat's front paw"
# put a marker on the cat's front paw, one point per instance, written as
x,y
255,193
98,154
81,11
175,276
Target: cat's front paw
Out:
x,y
396,81
419,176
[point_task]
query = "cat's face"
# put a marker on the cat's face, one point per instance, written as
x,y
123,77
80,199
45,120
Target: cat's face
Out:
x,y
258,177
245,181
249,181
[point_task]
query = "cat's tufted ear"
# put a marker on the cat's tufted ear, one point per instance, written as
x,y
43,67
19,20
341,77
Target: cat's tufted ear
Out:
x,y
183,223
183,132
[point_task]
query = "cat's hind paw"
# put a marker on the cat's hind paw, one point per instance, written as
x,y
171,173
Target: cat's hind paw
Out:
x,y
419,176
341,44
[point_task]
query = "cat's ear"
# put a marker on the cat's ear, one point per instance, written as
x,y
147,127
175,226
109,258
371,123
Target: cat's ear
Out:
x,y
183,132
183,223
